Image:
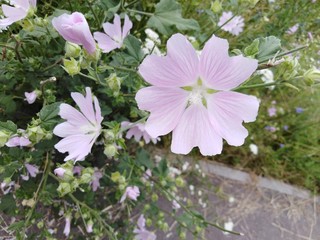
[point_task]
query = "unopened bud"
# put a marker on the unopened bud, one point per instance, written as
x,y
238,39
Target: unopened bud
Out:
x,y
72,50
311,76
110,150
72,66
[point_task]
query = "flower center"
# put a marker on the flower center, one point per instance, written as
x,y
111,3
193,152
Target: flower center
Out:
x,y
198,93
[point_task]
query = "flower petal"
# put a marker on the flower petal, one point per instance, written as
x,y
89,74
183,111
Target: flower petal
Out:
x,y
166,106
227,111
78,146
221,72
72,115
85,104
66,129
113,30
126,26
105,42
179,68
195,129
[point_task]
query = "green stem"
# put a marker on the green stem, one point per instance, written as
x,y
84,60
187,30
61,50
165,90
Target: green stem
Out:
x,y
36,195
257,85
87,76
6,46
140,12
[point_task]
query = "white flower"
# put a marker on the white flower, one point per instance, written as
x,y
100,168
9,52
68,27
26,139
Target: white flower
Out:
x,y
228,226
267,77
254,149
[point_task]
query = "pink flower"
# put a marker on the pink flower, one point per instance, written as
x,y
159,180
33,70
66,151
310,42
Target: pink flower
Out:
x,y
234,26
77,170
59,172
81,129
293,29
74,28
141,232
32,169
191,96
114,34
30,97
137,131
95,184
7,187
175,205
131,192
17,141
66,230
272,112
16,13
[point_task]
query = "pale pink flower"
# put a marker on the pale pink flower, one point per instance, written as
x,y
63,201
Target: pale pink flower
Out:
x,y
137,131
89,227
131,192
74,28
95,184
17,12
272,111
17,141
77,170
59,172
191,96
175,205
114,34
293,29
81,129
234,26
141,232
7,187
32,170
66,230
30,97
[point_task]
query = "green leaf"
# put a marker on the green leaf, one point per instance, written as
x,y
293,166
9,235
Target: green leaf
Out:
x,y
48,115
168,14
253,49
268,47
143,158
7,104
8,126
133,46
8,204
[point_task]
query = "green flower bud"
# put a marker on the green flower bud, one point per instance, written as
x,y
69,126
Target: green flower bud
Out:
x,y
86,175
7,180
114,83
110,150
311,76
122,187
122,180
147,207
92,57
40,224
4,137
64,188
163,183
154,197
72,50
108,135
36,134
149,222
216,6
288,69
115,176
179,182
68,175
72,66
27,25
182,235
165,227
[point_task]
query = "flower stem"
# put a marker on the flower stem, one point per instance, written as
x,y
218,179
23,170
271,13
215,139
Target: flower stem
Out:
x,y
257,85
140,12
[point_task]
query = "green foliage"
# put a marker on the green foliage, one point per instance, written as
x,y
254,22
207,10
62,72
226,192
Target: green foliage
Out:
x,y
268,48
167,14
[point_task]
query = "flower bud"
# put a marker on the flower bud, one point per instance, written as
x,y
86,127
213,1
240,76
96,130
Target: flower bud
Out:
x,y
165,227
64,188
27,25
311,76
36,134
72,50
114,83
86,175
72,66
108,135
288,69
216,6
115,176
154,197
149,222
179,182
110,150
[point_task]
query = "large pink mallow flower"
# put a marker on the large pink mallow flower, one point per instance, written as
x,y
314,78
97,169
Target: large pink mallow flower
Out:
x,y
141,233
138,131
74,28
17,12
234,26
191,96
114,34
81,129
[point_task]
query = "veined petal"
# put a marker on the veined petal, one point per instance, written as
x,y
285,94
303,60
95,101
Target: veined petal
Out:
x,y
85,104
166,106
221,72
126,26
113,30
105,42
179,68
227,110
78,146
66,129
97,108
72,115
24,4
195,130
13,13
